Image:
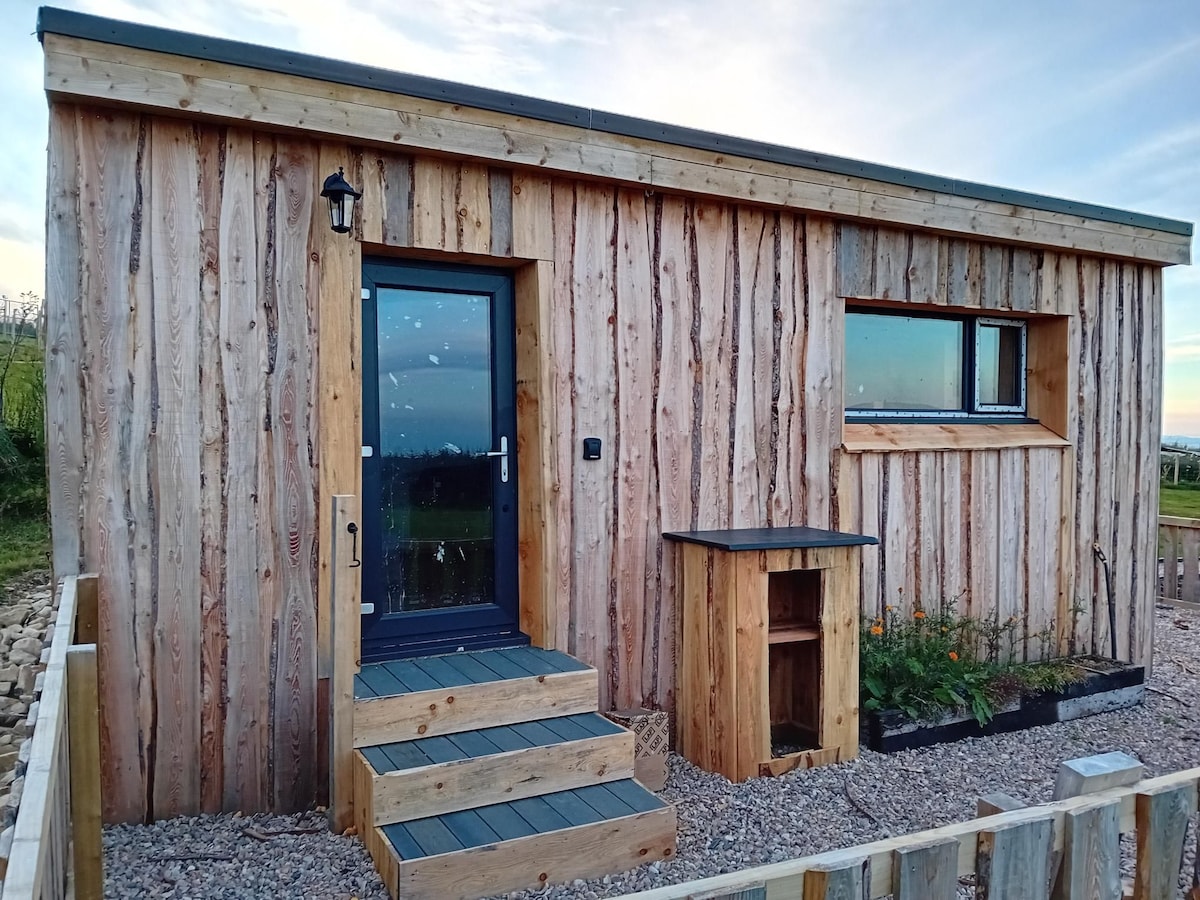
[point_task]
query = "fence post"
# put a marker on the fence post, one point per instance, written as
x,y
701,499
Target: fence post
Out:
x,y
83,728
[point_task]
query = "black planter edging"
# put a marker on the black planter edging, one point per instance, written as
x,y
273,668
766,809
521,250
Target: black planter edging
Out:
x,y
1121,686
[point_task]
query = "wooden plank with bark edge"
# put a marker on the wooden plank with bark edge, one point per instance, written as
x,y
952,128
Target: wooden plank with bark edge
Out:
x,y
805,759
584,851
470,783
712,277
1013,861
823,410
107,147
83,718
840,882
1091,854
595,377
633,363
532,216
344,621
294,395
472,209
212,476
1162,823
926,871
784,879
449,710
537,453
500,235
752,720
65,443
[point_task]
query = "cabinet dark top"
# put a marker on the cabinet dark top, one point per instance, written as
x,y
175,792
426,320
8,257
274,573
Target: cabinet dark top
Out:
x,y
733,539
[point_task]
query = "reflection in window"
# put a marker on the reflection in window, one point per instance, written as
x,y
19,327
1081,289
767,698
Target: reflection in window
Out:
x,y
903,363
906,365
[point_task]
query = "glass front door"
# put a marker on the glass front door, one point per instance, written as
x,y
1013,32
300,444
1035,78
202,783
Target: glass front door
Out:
x,y
439,467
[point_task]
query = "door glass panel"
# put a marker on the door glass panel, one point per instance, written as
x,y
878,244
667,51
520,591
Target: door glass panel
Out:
x,y
435,428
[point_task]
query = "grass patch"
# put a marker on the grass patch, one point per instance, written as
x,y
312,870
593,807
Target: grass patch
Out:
x,y
24,545
1179,501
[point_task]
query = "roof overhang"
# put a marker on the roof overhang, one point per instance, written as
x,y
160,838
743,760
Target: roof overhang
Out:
x,y
91,59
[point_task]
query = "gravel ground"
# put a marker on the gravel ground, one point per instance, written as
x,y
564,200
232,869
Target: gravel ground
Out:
x,y
722,827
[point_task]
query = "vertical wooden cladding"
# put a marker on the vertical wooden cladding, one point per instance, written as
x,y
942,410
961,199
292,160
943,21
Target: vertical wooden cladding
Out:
x,y
682,334
183,357
1011,531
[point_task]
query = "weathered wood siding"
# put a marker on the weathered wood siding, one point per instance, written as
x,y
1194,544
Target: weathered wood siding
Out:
x,y
182,319
1011,531
193,279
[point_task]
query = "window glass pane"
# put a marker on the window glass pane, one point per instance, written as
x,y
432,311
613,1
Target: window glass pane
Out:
x,y
903,362
998,360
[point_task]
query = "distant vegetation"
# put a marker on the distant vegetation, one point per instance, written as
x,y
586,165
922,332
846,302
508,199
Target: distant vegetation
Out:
x,y
24,525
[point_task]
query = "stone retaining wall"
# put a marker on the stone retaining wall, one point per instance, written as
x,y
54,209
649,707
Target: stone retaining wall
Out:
x,y
25,633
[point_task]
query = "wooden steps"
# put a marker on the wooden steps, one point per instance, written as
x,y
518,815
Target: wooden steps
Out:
x,y
484,772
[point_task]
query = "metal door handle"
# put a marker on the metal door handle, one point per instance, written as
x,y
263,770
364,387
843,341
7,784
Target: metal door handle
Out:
x,y
503,454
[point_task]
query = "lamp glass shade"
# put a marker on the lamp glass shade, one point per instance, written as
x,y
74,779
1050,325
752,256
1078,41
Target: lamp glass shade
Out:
x,y
341,198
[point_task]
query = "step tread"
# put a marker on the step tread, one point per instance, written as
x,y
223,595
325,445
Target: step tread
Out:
x,y
452,670
451,832
483,742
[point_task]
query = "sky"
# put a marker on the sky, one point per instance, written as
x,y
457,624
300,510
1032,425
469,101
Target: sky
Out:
x,y
1093,100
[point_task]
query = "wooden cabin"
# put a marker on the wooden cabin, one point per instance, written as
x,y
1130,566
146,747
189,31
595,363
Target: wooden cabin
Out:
x,y
551,336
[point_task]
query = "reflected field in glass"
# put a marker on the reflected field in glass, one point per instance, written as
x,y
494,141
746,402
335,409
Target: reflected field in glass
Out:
x,y
435,418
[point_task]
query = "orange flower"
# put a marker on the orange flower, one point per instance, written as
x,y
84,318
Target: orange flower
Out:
x,y
889,607
944,629
953,656
876,629
919,614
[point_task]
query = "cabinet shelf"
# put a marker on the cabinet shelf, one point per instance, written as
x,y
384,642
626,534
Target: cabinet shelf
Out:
x,y
793,634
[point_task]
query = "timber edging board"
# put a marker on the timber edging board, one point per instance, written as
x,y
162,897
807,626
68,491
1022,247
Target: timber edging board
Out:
x,y
890,731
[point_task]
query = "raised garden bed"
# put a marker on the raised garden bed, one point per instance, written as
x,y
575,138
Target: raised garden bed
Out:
x,y
1104,685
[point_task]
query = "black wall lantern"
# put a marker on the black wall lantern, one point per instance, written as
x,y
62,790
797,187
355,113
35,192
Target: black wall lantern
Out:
x,y
341,201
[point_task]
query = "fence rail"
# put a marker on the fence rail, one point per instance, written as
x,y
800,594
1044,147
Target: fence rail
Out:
x,y
60,805
1011,854
1179,543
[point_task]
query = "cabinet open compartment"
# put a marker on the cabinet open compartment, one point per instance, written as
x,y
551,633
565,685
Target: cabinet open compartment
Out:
x,y
794,691
794,606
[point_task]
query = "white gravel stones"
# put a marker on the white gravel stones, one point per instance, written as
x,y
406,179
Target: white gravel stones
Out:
x,y
722,827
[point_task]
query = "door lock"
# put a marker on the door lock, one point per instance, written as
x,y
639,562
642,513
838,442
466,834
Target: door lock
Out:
x,y
503,454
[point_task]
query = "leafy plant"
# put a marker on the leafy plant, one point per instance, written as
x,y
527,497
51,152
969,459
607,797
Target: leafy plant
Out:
x,y
931,662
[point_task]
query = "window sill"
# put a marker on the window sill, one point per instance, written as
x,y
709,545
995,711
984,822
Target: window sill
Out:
x,y
884,437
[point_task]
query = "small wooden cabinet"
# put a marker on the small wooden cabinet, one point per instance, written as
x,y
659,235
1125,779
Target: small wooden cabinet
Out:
x,y
768,660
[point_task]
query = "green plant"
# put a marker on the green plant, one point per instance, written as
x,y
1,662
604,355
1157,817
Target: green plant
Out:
x,y
936,661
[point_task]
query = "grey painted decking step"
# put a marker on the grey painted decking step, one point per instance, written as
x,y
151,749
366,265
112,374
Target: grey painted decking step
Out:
x,y
487,742
519,818
451,670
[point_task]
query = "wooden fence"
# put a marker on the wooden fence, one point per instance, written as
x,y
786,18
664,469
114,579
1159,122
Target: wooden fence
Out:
x,y
60,805
1069,850
1179,543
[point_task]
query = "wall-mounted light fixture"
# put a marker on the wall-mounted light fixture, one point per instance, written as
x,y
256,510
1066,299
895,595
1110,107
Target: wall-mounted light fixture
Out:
x,y
341,201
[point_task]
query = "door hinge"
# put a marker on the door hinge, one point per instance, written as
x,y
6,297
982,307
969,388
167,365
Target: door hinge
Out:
x,y
368,452
368,609
366,293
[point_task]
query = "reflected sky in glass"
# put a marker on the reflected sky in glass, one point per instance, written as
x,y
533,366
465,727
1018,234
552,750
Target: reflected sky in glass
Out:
x,y
434,372
903,363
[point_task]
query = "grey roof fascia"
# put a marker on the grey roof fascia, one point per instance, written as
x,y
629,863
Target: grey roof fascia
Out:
x,y
271,59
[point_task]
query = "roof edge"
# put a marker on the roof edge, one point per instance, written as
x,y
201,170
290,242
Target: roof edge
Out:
x,y
69,23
